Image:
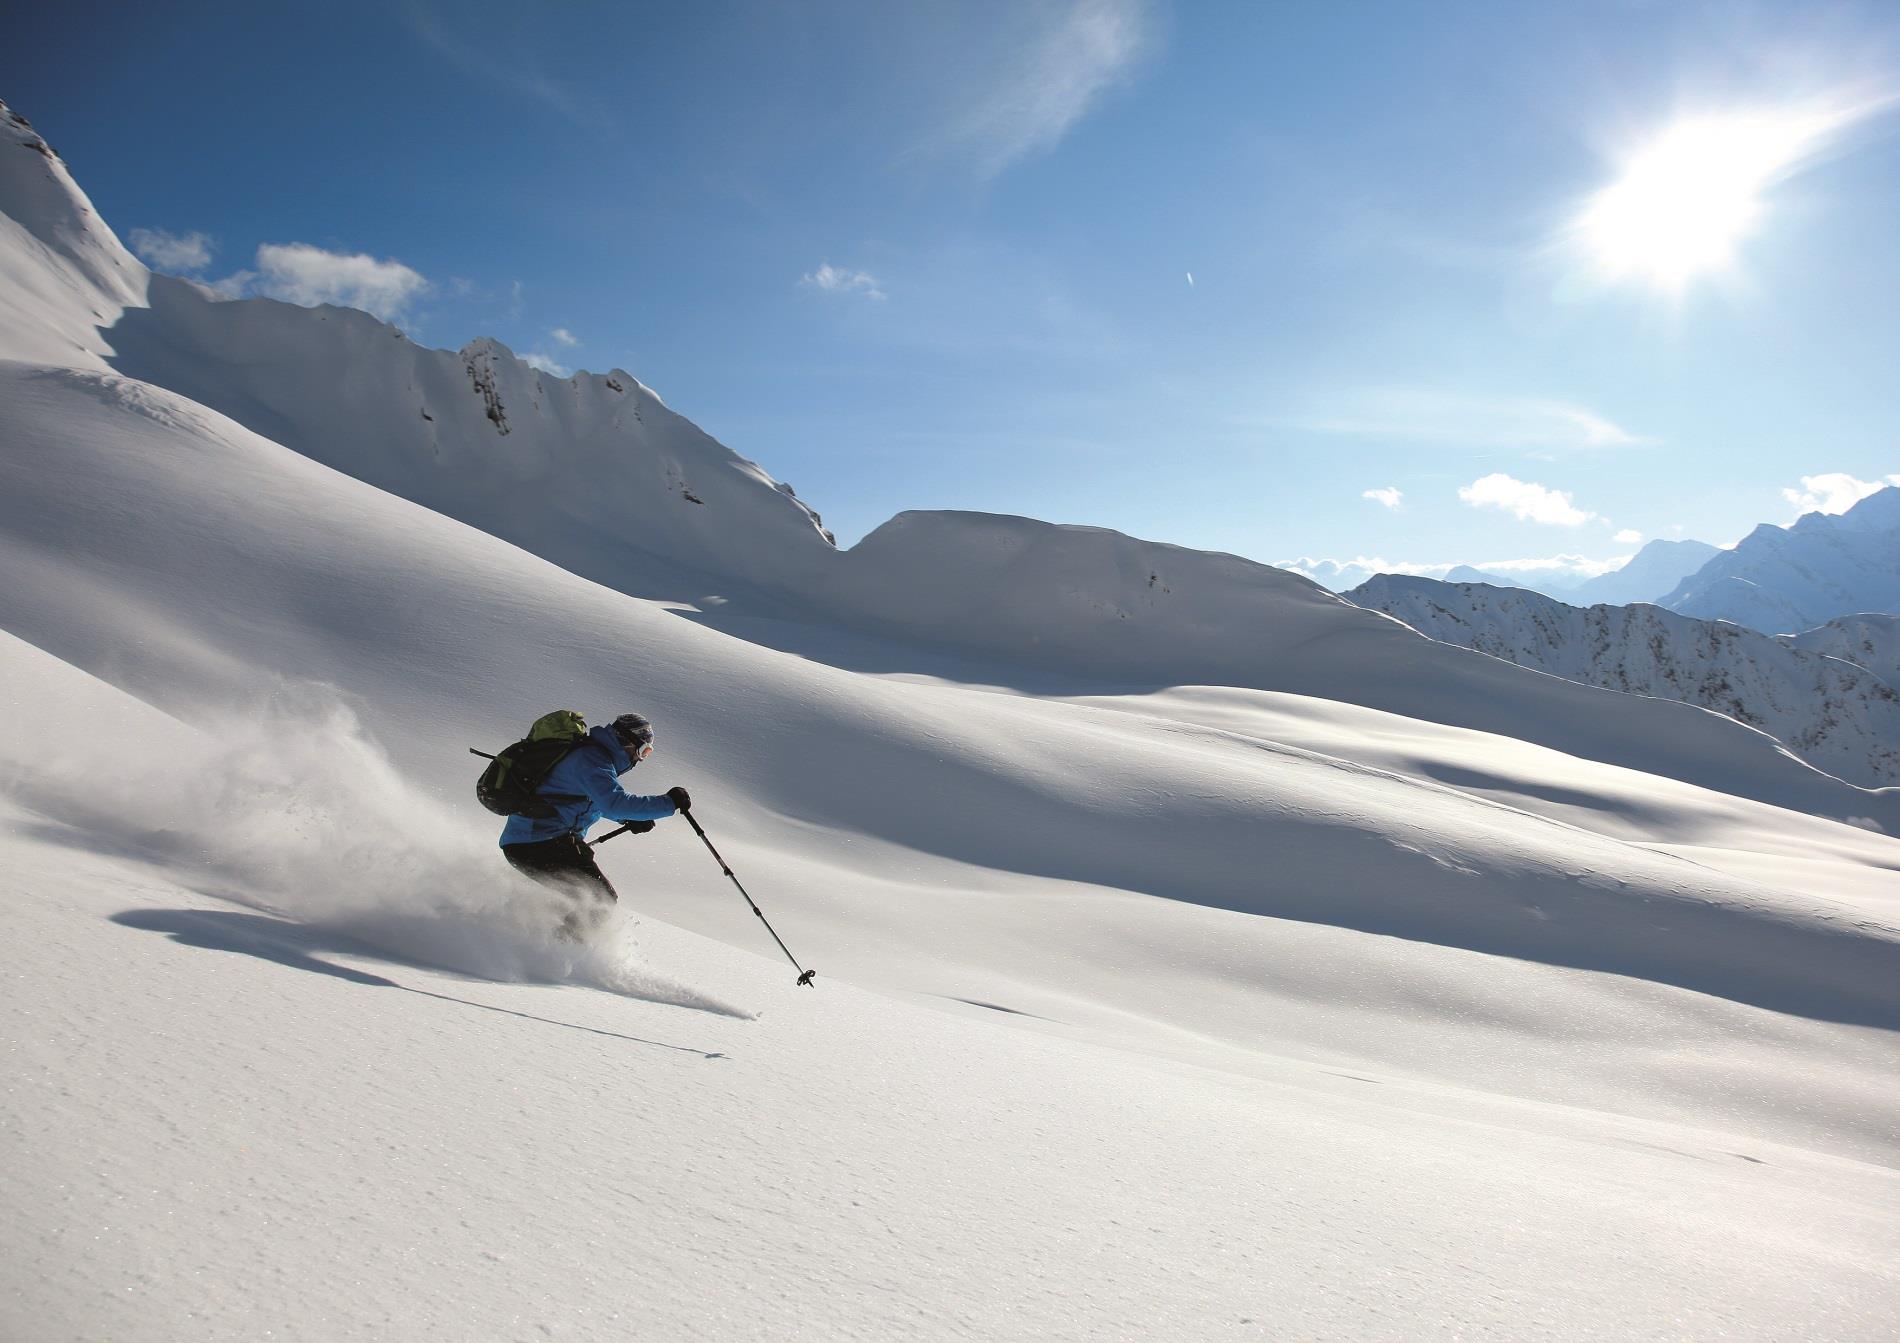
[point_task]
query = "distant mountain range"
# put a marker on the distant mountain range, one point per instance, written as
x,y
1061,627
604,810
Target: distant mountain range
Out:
x,y
1655,570
1783,580
1465,573
1819,694
1778,580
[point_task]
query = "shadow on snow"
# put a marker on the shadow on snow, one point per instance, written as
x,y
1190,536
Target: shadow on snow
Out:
x,y
295,945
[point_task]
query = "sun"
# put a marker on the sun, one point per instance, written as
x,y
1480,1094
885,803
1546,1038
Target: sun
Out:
x,y
1687,199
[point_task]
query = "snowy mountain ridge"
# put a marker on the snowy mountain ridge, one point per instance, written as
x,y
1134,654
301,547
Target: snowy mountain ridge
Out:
x,y
63,273
1784,580
1870,641
1831,712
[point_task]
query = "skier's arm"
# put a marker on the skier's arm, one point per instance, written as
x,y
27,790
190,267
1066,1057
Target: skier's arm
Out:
x,y
614,803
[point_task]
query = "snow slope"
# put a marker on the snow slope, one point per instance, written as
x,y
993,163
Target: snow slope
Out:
x,y
1169,1010
63,273
376,1148
1283,918
592,472
1783,580
1831,712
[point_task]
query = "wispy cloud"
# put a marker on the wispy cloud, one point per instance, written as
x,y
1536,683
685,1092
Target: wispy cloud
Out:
x,y
1409,415
1833,492
546,364
519,74
299,273
1389,495
562,336
1627,537
177,253
836,280
1059,61
1525,500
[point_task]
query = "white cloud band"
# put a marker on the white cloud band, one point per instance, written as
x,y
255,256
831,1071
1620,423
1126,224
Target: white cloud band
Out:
x,y
1525,500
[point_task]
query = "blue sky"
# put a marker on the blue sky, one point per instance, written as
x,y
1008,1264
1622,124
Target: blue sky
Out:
x,y
916,256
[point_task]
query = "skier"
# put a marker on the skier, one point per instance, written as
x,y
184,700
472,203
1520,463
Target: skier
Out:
x,y
584,787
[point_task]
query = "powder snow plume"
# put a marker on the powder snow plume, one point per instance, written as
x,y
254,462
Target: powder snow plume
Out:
x,y
291,808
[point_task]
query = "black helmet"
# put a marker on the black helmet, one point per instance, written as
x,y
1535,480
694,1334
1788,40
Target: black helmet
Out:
x,y
633,731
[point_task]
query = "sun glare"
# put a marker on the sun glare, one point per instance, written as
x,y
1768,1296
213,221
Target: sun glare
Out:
x,y
1687,199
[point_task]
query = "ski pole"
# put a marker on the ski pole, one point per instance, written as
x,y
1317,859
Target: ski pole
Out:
x,y
804,975
624,829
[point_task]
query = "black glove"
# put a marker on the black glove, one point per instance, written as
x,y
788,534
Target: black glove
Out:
x,y
680,798
639,827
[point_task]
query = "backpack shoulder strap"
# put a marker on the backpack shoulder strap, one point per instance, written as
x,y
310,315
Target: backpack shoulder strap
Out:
x,y
555,764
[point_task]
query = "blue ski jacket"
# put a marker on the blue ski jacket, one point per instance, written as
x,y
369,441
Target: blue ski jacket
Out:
x,y
583,788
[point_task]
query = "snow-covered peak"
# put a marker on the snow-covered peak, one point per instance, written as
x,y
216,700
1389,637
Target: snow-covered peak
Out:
x,y
592,471
1783,580
63,272
1651,572
1879,511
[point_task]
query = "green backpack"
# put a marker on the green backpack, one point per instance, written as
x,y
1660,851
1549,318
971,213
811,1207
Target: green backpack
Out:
x,y
510,784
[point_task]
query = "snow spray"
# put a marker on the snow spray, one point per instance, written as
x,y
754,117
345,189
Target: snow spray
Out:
x,y
291,808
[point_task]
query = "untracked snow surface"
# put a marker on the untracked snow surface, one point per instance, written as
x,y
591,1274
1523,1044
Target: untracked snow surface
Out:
x,y
1146,1007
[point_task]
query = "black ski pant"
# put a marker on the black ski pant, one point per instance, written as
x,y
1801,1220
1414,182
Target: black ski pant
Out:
x,y
567,864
